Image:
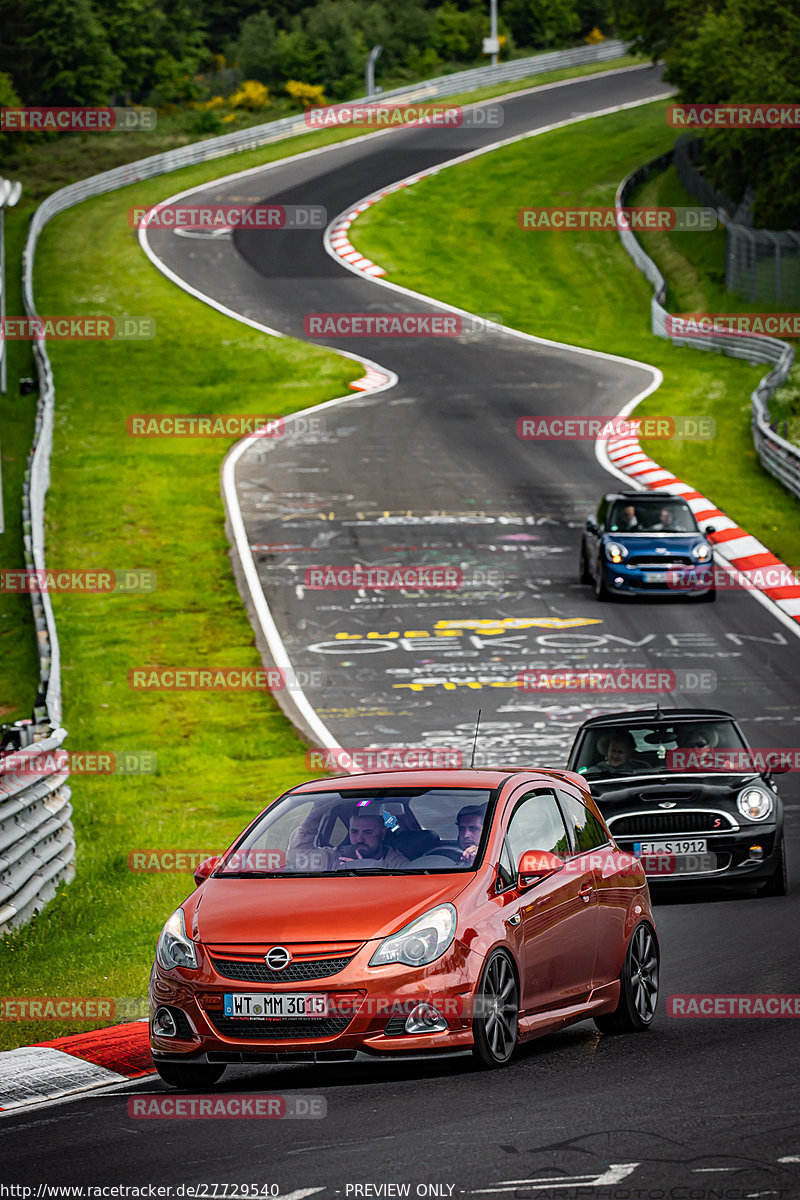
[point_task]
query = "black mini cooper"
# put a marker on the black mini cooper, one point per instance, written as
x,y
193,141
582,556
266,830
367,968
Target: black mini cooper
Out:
x,y
685,793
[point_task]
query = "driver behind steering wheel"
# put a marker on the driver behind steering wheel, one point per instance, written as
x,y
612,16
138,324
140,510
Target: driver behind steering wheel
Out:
x,y
470,824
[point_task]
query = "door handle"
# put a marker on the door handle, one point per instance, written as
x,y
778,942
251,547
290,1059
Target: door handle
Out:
x,y
585,892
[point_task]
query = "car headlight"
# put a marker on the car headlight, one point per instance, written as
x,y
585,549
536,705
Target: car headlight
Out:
x,y
174,948
616,552
754,804
702,552
421,942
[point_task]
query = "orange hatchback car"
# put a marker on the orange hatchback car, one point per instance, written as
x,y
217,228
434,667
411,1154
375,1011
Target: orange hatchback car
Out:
x,y
405,913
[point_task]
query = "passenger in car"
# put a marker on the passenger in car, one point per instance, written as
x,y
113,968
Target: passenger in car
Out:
x,y
620,757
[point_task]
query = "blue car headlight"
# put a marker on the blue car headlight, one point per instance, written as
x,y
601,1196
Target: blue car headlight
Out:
x,y
702,552
616,552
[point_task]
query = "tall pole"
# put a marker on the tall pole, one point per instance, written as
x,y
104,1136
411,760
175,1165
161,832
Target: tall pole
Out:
x,y
374,55
493,31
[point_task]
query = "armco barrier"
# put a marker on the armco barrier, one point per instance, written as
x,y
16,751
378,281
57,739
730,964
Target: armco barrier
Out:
x,y
37,841
34,874
778,456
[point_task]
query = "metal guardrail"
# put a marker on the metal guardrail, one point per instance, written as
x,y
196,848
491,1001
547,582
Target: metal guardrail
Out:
x,y
777,456
37,846
37,841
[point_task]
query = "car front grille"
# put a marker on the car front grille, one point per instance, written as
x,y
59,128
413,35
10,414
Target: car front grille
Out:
x,y
281,1029
647,824
298,970
659,560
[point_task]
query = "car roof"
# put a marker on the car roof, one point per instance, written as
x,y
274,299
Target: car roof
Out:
x,y
639,496
453,777
644,715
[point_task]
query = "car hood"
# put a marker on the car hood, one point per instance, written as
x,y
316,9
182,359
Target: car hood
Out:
x,y
645,543
279,910
684,791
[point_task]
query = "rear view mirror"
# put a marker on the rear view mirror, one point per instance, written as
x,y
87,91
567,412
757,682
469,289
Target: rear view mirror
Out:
x,y
204,869
535,865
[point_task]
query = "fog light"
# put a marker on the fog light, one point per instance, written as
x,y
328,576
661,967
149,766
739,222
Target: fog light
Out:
x,y
425,1019
756,851
164,1023
618,581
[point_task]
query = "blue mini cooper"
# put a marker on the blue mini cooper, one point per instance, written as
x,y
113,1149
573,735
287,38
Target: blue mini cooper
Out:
x,y
644,543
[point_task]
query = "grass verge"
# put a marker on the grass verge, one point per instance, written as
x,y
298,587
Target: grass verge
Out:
x,y
581,288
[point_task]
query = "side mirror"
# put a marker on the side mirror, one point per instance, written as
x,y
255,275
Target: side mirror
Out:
x,y
709,529
535,865
204,869
592,525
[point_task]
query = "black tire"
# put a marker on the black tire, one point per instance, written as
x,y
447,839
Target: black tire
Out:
x,y
638,995
601,591
495,1026
583,571
188,1076
778,882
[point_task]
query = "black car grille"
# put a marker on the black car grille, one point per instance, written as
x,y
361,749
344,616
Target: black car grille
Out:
x,y
666,823
659,560
281,1029
259,972
395,1027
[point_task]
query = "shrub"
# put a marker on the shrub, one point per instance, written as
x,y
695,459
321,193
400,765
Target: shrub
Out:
x,y
594,37
251,95
306,95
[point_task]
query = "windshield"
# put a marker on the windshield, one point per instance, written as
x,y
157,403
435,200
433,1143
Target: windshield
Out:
x,y
661,747
365,831
651,516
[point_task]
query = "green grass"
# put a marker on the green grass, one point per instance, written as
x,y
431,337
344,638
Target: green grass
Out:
x,y
581,288
117,503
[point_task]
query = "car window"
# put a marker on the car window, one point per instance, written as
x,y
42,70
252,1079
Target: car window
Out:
x,y
649,515
587,832
606,751
536,824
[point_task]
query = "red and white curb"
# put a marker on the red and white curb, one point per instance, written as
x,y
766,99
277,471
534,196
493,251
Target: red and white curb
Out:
x,y
78,1063
339,239
737,549
372,379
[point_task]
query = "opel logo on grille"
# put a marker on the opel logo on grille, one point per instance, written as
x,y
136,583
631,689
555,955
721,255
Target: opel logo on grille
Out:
x,y
277,958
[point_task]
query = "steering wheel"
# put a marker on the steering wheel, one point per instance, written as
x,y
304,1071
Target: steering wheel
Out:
x,y
449,852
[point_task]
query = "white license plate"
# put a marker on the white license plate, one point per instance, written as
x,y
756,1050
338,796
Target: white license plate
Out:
x,y
677,846
655,576
260,1006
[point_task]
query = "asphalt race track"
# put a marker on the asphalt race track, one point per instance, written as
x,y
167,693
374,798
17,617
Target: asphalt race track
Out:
x,y
430,471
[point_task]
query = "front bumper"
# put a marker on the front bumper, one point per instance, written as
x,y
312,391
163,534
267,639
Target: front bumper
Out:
x,y
369,1007
733,861
694,581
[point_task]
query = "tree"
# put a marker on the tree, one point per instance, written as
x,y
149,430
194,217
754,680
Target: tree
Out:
x,y
57,52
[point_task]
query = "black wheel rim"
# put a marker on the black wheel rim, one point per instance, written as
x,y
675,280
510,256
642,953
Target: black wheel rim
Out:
x,y
644,973
500,1008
